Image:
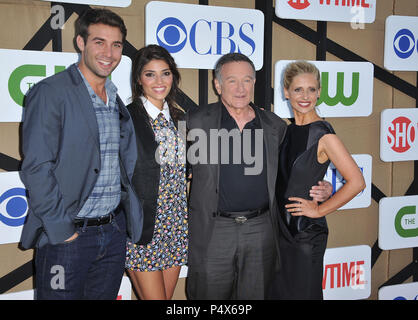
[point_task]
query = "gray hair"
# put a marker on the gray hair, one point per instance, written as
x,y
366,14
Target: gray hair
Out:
x,y
227,58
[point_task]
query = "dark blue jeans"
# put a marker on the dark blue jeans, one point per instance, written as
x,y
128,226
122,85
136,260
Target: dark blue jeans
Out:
x,y
89,267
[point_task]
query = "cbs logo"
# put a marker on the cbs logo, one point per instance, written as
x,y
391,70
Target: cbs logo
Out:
x,y
404,43
171,34
403,298
13,207
220,37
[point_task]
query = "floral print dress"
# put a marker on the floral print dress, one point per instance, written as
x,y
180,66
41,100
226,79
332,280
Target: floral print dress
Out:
x,y
169,243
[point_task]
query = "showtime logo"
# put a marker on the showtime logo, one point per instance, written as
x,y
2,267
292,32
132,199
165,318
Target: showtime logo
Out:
x,y
353,11
299,4
401,134
398,130
303,4
347,273
347,3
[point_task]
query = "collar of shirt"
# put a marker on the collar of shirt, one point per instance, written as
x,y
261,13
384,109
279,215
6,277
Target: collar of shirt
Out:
x,y
111,89
153,111
228,122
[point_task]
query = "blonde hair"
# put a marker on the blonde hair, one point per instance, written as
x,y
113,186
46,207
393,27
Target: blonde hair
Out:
x,y
296,68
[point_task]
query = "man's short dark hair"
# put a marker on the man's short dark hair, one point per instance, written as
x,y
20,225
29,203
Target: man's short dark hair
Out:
x,y
95,16
230,57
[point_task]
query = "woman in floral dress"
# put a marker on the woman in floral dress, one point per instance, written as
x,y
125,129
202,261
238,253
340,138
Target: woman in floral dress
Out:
x,y
159,178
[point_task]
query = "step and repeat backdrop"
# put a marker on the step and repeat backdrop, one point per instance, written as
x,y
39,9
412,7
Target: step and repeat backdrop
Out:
x,y
369,92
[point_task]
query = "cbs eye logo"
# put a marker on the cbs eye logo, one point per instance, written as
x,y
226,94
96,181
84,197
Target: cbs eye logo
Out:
x,y
404,43
403,298
337,180
13,207
172,34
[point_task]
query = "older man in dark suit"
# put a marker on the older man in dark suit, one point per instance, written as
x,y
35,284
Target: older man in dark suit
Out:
x,y
79,154
233,229
232,252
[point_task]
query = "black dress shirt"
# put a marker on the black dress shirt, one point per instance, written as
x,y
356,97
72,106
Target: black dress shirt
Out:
x,y
239,191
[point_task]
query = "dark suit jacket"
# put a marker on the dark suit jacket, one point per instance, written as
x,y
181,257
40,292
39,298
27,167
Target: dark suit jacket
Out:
x,y
146,176
203,203
62,159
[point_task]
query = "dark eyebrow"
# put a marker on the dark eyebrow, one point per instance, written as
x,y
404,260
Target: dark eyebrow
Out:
x,y
150,70
101,39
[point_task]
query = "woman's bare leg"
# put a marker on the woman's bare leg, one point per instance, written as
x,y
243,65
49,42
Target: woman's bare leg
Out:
x,y
148,285
171,276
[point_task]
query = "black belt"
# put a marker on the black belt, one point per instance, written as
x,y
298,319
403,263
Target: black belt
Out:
x,y
96,221
243,216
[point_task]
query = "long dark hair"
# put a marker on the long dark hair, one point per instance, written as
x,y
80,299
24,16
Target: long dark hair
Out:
x,y
141,58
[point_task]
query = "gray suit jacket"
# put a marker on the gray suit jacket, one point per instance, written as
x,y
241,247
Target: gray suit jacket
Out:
x,y
203,201
62,159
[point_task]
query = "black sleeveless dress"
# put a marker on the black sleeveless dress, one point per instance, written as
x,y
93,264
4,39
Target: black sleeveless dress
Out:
x,y
302,239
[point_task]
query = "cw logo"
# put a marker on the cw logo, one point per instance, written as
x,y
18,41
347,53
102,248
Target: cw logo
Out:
x,y
407,221
26,70
339,95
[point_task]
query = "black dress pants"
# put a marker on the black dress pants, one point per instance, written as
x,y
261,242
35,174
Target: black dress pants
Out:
x,y
239,264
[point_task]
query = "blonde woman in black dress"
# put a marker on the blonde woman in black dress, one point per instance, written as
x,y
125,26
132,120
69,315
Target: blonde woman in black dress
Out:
x,y
159,179
306,151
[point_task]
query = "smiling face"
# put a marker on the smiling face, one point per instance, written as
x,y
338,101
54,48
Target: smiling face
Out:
x,y
236,86
303,93
101,53
156,80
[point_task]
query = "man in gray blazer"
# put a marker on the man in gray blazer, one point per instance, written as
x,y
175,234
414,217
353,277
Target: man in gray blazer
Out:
x,y
79,155
232,253
233,246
